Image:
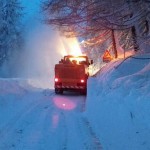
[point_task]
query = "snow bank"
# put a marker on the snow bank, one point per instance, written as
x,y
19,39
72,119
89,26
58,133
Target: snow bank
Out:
x,y
21,86
12,86
118,103
18,95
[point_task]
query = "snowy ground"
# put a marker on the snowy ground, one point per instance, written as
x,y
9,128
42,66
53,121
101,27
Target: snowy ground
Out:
x,y
115,115
118,104
37,119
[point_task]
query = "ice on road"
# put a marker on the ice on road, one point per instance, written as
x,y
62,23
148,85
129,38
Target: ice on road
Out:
x,y
41,120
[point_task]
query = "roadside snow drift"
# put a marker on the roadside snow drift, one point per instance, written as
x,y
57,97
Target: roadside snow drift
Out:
x,y
116,117
118,104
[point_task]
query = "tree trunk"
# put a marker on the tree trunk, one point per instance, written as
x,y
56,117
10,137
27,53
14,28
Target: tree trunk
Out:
x,y
114,44
134,37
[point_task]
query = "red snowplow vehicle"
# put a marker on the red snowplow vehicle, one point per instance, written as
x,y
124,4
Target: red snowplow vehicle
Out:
x,y
71,74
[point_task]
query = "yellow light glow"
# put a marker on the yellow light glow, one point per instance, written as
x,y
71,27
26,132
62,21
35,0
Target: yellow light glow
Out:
x,y
78,59
127,54
74,48
70,46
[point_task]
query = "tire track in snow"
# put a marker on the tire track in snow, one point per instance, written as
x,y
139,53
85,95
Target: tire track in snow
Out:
x,y
79,133
76,130
48,137
64,143
49,127
89,138
96,142
10,128
53,135
35,136
25,110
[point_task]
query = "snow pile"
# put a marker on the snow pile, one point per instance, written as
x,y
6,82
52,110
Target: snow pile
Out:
x,y
22,86
13,86
118,103
17,97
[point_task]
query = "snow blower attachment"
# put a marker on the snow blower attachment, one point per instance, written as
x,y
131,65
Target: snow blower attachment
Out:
x,y
71,74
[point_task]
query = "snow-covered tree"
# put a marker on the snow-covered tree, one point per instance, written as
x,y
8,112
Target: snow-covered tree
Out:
x,y
10,15
89,19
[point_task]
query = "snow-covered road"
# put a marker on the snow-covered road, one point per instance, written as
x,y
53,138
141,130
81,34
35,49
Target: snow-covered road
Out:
x,y
41,120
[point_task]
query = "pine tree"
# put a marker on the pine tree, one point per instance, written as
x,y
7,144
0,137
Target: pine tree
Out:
x,y
10,15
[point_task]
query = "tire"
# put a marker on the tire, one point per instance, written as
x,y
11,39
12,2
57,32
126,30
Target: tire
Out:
x,y
61,91
58,91
83,92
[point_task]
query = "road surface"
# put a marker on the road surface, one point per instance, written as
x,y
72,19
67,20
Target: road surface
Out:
x,y
41,120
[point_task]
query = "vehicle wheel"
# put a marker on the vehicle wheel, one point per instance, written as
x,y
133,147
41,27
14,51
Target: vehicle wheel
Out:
x,y
61,91
83,92
58,91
